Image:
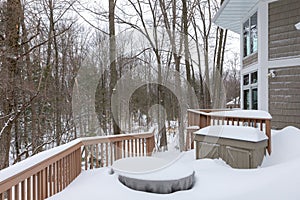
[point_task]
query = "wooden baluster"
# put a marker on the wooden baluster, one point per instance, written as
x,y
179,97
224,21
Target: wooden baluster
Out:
x,y
62,174
85,157
132,148
268,133
261,125
106,153
34,189
208,121
79,161
28,188
55,186
53,180
68,171
57,177
1,196
23,192
118,150
46,183
75,164
101,155
61,168
111,154
17,192
97,156
72,166
136,147
142,146
92,157
9,194
43,183
124,148
39,189
139,147
50,180
128,148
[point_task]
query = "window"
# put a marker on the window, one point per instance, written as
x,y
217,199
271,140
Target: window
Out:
x,y
250,35
246,79
253,77
250,91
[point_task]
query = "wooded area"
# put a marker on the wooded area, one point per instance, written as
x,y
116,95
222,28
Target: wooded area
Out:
x,y
62,64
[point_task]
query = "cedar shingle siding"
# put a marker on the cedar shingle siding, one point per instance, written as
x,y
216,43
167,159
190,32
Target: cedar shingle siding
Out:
x,y
284,42
284,97
249,60
284,39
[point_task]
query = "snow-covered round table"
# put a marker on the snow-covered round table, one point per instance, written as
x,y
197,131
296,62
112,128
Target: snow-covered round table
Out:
x,y
156,175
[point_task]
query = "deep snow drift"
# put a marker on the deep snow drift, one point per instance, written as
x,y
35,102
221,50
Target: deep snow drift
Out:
x,y
278,178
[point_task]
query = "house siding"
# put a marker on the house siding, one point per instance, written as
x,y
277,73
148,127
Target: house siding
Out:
x,y
284,39
284,97
249,60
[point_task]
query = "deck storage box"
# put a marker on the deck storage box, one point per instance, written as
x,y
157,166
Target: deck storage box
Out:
x,y
239,146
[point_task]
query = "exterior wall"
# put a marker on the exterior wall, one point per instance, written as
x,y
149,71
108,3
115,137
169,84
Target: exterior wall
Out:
x,y
284,97
283,53
252,59
284,39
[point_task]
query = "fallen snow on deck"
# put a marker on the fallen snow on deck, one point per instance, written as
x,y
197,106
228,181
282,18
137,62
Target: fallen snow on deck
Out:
x,y
277,179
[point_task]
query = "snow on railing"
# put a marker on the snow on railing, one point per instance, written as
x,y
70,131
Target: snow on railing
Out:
x,y
49,172
207,117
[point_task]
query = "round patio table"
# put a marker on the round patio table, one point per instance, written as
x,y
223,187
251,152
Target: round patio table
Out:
x,y
155,175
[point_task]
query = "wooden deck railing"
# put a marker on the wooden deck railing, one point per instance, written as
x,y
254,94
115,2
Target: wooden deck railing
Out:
x,y
257,119
49,172
102,151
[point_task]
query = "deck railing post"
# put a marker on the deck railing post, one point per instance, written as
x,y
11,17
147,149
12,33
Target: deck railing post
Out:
x,y
268,133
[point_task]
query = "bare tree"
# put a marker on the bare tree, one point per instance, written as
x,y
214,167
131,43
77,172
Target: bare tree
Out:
x,y
9,74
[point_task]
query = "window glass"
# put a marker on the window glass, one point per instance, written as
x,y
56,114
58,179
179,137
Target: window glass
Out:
x,y
250,91
253,77
246,79
246,38
250,35
246,99
253,33
254,99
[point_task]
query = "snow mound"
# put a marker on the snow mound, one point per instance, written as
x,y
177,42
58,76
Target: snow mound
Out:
x,y
285,146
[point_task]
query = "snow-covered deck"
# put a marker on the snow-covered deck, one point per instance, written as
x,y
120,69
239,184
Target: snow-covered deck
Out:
x,y
277,178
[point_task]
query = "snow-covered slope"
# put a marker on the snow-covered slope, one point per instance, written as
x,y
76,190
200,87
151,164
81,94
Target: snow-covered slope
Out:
x,y
277,179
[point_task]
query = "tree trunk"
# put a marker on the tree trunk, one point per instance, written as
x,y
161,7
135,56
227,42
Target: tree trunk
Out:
x,y
10,71
113,67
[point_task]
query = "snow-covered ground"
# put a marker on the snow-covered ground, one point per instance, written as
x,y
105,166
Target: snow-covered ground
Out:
x,y
278,178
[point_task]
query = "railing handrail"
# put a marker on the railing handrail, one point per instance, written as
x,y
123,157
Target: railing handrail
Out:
x,y
228,113
16,173
21,171
115,138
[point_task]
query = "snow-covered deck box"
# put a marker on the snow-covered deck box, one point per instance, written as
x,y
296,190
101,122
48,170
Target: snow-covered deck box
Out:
x,y
238,146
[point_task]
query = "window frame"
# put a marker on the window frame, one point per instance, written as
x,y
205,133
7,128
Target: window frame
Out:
x,y
250,43
250,88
